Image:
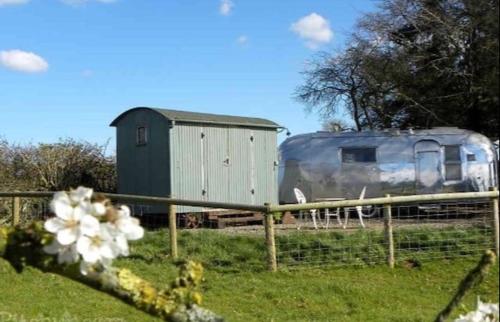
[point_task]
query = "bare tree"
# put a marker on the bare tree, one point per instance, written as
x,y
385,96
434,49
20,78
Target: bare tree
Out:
x,y
417,63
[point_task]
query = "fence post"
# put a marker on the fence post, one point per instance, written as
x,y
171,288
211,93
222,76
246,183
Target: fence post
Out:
x,y
172,227
270,243
494,205
16,211
388,233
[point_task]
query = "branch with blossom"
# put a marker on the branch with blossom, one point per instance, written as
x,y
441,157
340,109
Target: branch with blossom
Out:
x,y
80,243
485,312
473,278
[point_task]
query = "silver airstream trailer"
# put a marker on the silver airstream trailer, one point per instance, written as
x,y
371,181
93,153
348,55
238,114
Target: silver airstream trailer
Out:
x,y
340,164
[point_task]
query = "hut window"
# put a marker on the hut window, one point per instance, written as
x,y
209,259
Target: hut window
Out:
x,y
142,135
353,155
452,162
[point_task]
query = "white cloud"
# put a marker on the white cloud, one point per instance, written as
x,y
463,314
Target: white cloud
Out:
x,y
314,29
12,2
23,61
225,7
82,2
242,40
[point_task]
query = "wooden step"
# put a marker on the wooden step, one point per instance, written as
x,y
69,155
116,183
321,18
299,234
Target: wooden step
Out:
x,y
248,219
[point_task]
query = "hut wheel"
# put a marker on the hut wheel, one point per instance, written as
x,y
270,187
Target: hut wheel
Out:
x,y
192,221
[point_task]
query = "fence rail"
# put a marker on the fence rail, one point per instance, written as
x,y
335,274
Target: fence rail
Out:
x,y
437,225
146,199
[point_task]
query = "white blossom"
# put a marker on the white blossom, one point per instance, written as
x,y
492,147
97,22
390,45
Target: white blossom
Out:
x,y
128,225
124,227
93,233
66,254
80,195
486,312
70,222
98,246
97,209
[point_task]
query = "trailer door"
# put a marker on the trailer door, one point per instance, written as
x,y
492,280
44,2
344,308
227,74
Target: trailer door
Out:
x,y
429,177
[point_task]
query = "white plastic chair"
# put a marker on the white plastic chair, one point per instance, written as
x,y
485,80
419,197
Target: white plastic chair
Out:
x,y
302,199
328,215
359,210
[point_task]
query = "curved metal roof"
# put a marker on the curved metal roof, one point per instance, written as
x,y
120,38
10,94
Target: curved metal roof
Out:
x,y
203,118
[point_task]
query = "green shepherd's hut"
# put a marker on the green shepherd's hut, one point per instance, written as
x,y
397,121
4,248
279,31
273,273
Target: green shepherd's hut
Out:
x,y
196,156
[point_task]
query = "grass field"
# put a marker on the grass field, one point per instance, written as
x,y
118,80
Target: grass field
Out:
x,y
238,288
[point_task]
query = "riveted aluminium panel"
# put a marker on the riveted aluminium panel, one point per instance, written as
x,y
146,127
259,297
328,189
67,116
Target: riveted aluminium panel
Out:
x,y
313,162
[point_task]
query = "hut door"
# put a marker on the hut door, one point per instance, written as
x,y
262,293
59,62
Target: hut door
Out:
x,y
216,163
428,166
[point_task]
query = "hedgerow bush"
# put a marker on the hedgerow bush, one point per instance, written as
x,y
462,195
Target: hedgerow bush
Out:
x,y
56,166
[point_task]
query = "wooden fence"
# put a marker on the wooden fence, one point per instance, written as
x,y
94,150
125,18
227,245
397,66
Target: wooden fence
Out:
x,y
271,211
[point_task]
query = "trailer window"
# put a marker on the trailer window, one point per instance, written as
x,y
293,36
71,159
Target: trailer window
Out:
x,y
452,162
141,135
352,155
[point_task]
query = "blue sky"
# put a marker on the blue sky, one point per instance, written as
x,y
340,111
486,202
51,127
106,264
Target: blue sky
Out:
x,y
68,67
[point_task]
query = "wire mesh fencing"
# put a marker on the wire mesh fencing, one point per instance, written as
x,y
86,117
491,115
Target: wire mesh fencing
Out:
x,y
214,237
228,249
30,209
418,232
347,235
223,239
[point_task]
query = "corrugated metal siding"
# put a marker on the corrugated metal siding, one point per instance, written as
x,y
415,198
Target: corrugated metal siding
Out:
x,y
188,180
265,170
272,166
225,163
216,163
240,183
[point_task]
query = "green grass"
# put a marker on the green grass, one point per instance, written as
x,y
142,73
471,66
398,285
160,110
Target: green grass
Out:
x,y
238,287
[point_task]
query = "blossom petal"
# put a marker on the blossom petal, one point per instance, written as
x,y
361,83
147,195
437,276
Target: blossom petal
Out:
x,y
85,268
106,263
61,208
52,248
92,255
130,227
83,244
124,211
67,236
137,232
61,196
98,209
53,225
82,209
89,225
80,194
106,250
68,255
90,252
122,244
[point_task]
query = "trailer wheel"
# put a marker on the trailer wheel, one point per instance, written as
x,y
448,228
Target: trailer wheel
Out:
x,y
192,221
